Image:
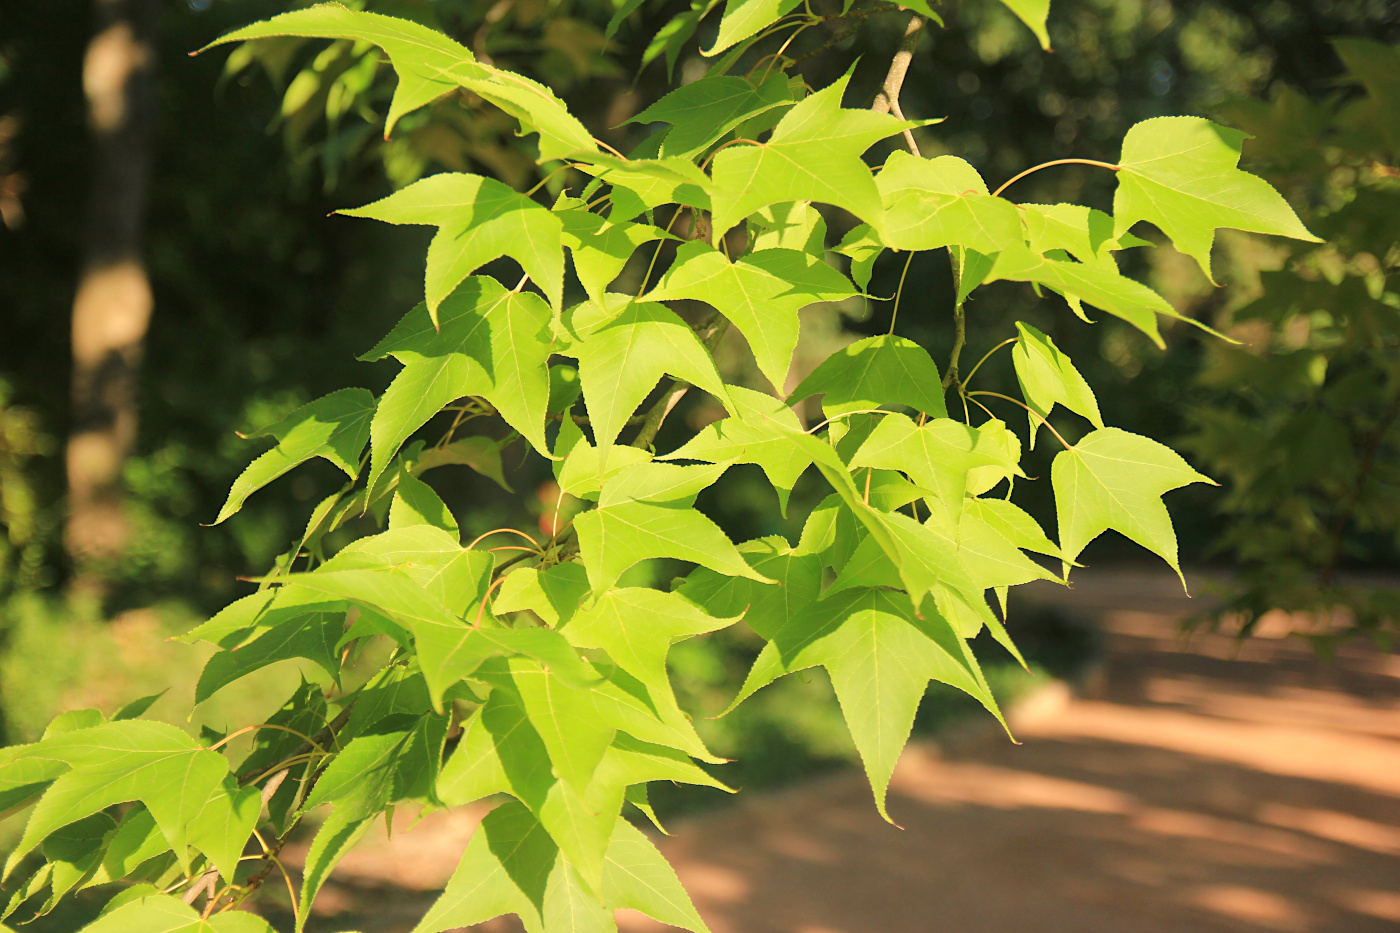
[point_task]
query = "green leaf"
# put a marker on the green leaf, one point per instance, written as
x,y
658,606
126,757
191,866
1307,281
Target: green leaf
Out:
x,y
492,343
506,869
478,220
637,626
1047,376
225,824
1084,233
760,293
615,538
660,483
790,225
936,456
638,877
813,155
553,593
744,18
415,503
702,112
335,837
136,839
600,249
758,431
765,609
1099,284
162,913
881,657
583,472
874,373
311,634
1180,174
428,63
621,361
482,454
117,762
930,203
334,427
1113,479
1033,13
1013,523
862,247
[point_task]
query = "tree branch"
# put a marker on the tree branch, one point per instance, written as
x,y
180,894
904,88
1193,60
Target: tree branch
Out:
x,y
887,100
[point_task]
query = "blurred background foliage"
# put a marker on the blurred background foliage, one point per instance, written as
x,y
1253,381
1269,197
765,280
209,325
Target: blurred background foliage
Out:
x,y
262,303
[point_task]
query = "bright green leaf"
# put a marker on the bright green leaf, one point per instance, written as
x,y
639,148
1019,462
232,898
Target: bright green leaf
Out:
x,y
1047,376
873,373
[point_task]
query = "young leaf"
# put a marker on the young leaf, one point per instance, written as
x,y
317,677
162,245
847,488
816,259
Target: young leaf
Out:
x,y
478,220
1047,376
1180,174
813,155
225,824
873,373
554,593
761,294
334,427
881,657
620,363
1012,523
492,343
615,538
758,431
862,247
312,635
743,18
1113,479
1034,14
702,112
930,203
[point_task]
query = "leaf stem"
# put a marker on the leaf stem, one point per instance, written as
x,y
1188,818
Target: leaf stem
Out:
x,y
515,531
988,355
899,292
1007,398
1036,168
267,725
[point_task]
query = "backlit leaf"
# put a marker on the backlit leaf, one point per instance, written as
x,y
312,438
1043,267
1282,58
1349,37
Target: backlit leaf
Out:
x,y
1180,174
334,427
1047,376
478,220
874,373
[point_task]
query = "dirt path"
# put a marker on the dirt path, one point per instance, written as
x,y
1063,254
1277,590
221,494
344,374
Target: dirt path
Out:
x,y
1203,787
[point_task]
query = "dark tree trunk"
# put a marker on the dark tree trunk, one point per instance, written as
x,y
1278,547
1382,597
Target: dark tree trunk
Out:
x,y
113,304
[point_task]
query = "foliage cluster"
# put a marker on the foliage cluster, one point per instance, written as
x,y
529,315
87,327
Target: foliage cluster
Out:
x,y
522,664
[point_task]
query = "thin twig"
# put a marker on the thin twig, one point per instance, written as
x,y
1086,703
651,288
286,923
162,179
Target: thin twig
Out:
x,y
319,740
950,378
887,100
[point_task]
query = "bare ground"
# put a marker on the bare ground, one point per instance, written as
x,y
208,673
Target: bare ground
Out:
x,y
1193,786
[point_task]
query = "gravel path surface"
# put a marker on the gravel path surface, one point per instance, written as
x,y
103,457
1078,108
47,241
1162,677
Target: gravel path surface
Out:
x,y
1198,786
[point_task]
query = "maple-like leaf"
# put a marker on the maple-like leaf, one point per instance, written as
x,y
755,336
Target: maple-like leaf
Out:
x,y
881,657
930,203
621,361
813,155
334,427
1180,174
758,431
1114,479
478,220
760,293
702,112
600,249
491,343
876,372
